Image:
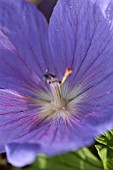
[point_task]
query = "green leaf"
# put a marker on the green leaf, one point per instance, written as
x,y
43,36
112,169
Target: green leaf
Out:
x,y
80,160
105,149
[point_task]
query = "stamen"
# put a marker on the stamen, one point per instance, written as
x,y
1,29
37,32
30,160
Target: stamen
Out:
x,y
67,73
56,92
55,87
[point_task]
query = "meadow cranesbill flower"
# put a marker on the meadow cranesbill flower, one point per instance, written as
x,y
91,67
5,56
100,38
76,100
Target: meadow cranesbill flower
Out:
x,y
56,81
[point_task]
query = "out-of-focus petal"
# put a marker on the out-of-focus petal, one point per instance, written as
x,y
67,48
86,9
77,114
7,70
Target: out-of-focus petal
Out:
x,y
21,155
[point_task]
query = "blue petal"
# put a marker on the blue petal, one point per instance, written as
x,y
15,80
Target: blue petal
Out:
x,y
21,155
24,49
48,140
81,37
17,116
105,6
77,31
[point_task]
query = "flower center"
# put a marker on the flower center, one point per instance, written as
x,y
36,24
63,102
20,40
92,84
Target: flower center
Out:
x,y
57,101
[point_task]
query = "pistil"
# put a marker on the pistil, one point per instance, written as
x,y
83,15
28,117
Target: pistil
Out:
x,y
56,92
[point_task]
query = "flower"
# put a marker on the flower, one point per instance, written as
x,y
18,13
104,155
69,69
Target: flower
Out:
x,y
56,81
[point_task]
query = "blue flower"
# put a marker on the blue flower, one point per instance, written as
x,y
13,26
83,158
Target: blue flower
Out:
x,y
56,81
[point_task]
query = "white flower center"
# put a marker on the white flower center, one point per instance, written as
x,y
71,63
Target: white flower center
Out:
x,y
59,101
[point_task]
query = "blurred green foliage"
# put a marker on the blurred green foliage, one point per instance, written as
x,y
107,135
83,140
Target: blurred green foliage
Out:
x,y
79,160
105,149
